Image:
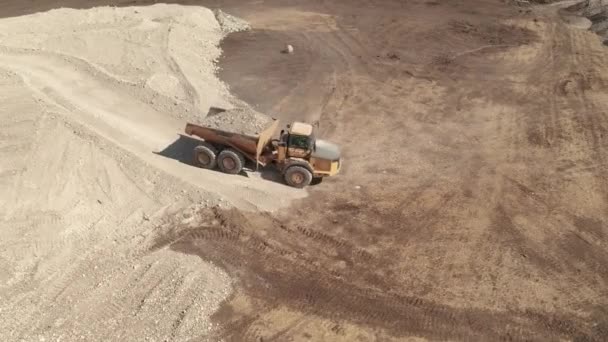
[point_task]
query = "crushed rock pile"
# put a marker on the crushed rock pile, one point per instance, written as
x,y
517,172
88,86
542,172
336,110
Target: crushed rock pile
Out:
x,y
229,23
242,120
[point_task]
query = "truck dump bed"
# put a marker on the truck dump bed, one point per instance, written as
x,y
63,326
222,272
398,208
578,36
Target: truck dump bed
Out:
x,y
250,146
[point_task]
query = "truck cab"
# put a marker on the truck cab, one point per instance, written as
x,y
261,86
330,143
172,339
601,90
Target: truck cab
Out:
x,y
303,158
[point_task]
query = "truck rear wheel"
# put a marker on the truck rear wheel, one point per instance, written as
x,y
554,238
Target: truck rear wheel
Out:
x,y
298,177
205,156
230,161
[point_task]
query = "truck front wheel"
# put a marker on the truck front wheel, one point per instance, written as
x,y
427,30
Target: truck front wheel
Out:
x,y
205,156
298,177
230,161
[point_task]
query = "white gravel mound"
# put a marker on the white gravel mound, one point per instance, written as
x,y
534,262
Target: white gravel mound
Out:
x,y
231,23
87,97
165,52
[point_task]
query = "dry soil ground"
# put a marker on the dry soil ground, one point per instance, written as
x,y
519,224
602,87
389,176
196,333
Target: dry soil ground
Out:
x,y
473,204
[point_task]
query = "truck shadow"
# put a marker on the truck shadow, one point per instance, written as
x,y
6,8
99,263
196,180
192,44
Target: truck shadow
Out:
x,y
182,150
270,173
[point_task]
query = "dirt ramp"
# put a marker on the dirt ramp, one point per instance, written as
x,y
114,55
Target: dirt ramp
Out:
x,y
75,212
296,280
158,73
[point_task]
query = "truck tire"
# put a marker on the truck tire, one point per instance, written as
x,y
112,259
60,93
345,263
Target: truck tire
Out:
x,y
298,177
230,161
205,156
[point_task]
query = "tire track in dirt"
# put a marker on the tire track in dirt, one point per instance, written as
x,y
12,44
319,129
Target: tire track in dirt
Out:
x,y
337,295
583,253
560,259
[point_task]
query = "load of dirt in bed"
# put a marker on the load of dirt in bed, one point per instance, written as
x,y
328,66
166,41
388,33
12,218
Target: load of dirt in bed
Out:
x,y
242,120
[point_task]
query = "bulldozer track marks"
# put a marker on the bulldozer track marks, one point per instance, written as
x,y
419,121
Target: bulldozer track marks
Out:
x,y
293,277
337,243
213,234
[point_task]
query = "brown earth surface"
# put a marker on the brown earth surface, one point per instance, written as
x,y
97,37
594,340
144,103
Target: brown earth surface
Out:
x,y
473,199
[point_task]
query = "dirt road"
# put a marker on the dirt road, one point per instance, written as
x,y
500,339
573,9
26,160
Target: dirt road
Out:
x,y
127,122
473,201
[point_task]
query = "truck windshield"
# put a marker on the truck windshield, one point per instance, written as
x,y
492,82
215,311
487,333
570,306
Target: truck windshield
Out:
x,y
299,141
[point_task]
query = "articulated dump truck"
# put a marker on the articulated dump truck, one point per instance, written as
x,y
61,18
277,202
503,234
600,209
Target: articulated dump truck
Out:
x,y
297,154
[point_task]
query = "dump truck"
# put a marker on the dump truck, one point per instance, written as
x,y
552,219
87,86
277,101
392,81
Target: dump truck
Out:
x,y
296,153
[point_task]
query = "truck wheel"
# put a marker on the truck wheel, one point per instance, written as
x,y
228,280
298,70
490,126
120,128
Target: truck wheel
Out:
x,y
298,177
230,161
205,156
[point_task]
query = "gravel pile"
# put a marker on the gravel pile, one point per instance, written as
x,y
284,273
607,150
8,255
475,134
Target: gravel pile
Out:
x,y
597,12
239,120
107,283
229,23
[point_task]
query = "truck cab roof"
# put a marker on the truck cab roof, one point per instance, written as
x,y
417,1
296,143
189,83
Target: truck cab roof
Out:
x,y
300,128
